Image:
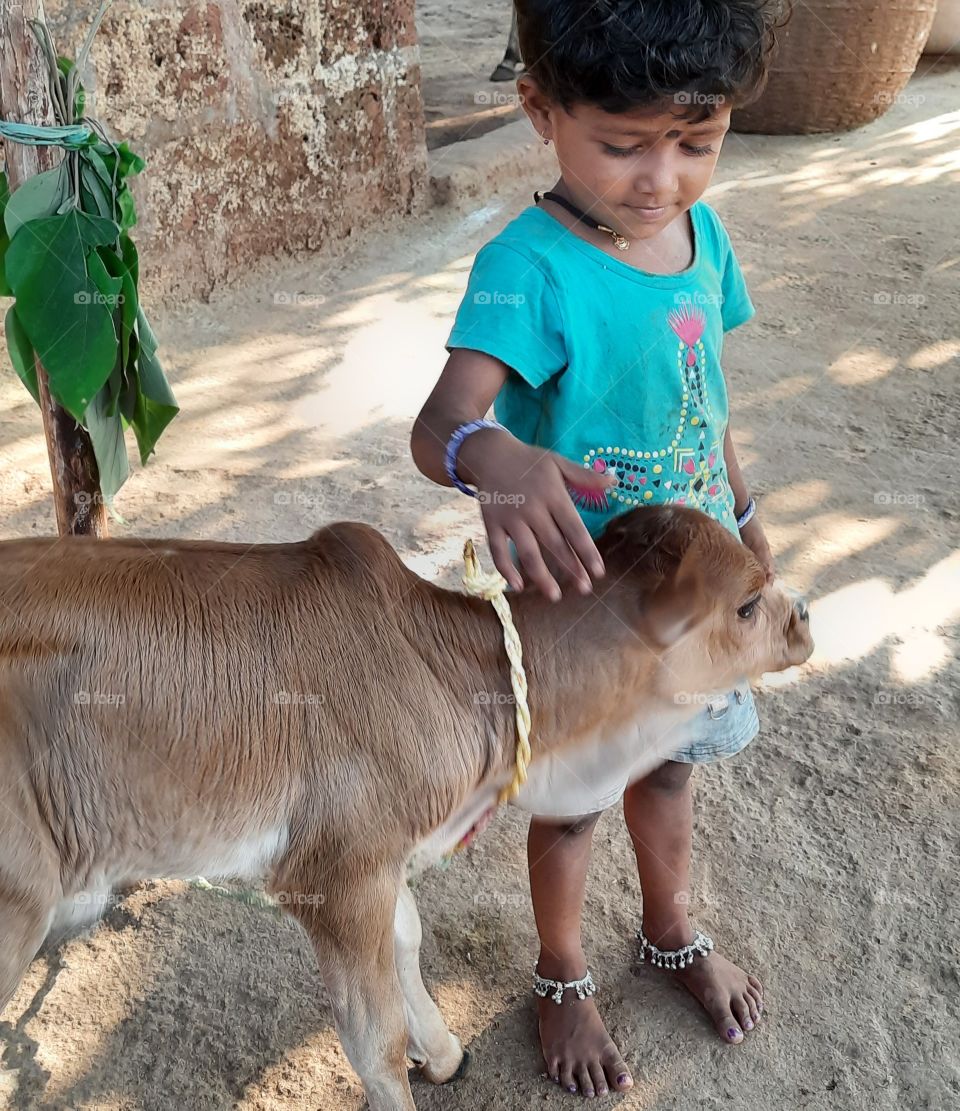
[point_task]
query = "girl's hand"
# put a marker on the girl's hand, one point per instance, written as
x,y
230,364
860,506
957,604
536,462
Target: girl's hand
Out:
x,y
753,536
524,497
522,490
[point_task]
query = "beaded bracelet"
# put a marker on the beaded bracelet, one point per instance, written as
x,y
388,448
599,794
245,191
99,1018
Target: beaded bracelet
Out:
x,y
455,443
747,515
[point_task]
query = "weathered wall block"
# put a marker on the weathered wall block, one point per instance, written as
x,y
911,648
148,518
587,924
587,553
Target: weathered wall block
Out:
x,y
269,127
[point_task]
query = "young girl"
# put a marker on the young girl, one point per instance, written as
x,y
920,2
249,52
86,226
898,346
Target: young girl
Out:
x,y
594,324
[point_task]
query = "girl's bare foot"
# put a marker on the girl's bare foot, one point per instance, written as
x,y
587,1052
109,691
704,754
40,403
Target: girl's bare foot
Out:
x,y
731,997
579,1053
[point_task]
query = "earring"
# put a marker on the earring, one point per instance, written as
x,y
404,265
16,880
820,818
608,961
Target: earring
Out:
x,y
546,142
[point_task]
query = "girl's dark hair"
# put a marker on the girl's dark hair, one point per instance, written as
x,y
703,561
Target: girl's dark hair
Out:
x,y
623,54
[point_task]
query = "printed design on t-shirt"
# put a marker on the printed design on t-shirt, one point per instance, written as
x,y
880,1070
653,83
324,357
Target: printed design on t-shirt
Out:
x,y
681,472
689,322
694,476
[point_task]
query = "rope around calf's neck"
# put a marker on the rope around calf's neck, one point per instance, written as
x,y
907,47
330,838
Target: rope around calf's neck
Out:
x,y
491,586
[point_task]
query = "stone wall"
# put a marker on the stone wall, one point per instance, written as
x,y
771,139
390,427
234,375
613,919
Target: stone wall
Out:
x,y
269,126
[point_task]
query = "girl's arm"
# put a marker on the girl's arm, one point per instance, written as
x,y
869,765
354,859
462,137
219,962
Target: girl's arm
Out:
x,y
752,533
522,490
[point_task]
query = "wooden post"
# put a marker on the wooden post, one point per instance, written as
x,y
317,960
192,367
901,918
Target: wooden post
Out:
x,y
24,97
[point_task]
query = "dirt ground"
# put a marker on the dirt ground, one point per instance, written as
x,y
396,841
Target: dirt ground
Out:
x,y
825,856
460,46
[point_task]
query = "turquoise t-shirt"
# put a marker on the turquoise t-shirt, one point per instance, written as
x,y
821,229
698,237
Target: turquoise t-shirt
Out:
x,y
611,366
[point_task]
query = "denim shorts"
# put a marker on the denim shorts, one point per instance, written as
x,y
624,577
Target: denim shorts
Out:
x,y
725,726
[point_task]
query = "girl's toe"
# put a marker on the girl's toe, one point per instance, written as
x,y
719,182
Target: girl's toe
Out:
x,y
617,1073
599,1079
742,1012
730,1029
567,1080
585,1082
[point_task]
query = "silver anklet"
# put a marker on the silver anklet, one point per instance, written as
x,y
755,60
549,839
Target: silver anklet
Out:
x,y
556,988
675,958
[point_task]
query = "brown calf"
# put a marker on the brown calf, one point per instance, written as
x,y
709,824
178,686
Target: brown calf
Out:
x,y
317,715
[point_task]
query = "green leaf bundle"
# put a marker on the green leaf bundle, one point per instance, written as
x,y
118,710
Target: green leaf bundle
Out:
x,y
67,259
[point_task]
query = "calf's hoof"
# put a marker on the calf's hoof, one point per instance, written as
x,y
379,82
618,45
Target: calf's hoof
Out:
x,y
462,1069
436,1076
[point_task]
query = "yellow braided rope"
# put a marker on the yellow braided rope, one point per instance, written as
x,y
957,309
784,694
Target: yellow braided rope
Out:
x,y
491,586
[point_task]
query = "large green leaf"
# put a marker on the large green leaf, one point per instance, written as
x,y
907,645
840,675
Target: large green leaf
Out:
x,y
127,400
130,257
145,332
120,268
61,307
98,198
123,294
108,286
155,405
119,162
92,156
40,195
106,435
130,163
21,352
5,290
126,208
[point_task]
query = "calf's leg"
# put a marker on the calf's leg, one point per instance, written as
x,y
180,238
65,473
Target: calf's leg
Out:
x,y
350,922
24,921
430,1045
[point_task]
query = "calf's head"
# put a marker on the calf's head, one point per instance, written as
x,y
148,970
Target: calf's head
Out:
x,y
688,588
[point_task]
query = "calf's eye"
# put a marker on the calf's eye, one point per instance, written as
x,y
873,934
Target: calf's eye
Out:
x,y
746,610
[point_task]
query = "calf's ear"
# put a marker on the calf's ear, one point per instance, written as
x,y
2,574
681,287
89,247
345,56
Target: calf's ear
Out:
x,y
680,602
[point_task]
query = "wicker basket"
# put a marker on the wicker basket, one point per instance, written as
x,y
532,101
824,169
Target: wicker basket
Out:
x,y
839,64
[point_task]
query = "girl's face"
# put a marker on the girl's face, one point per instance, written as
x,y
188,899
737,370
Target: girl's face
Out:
x,y
636,171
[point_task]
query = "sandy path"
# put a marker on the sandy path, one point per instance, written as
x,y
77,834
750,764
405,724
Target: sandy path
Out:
x,y
460,44
825,856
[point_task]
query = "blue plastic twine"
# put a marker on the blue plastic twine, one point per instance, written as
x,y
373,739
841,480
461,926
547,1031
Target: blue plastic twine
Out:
x,y
74,137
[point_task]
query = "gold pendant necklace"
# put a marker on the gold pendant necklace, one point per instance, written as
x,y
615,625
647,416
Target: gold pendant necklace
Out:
x,y
619,241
